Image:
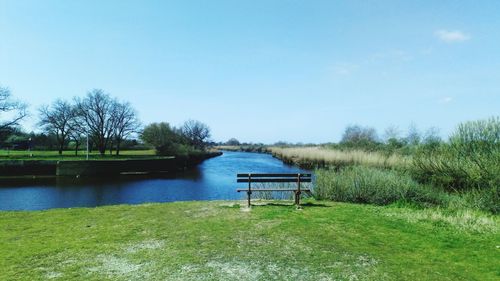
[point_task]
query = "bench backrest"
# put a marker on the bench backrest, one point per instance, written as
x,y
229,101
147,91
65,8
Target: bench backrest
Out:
x,y
274,177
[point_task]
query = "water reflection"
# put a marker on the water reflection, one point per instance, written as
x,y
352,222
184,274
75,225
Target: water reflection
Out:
x,y
214,179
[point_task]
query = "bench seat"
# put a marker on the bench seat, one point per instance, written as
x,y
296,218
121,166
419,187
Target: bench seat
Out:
x,y
273,189
274,178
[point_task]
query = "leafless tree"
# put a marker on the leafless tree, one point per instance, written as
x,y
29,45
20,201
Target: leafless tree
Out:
x,y
196,132
414,137
432,136
57,119
392,133
11,106
356,134
78,131
97,110
125,123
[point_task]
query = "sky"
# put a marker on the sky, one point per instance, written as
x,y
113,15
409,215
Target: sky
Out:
x,y
261,71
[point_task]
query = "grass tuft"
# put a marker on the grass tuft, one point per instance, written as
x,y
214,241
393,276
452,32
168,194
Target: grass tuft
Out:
x,y
463,220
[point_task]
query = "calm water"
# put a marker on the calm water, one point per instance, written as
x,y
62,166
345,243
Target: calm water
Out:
x,y
214,179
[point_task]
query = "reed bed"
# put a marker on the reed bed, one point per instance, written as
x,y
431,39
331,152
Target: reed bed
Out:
x,y
317,157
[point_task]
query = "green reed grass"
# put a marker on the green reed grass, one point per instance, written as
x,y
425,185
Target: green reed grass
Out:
x,y
360,184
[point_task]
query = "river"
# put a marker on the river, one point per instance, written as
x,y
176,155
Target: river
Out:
x,y
214,179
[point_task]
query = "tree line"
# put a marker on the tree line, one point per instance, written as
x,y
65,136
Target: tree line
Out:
x,y
105,121
392,140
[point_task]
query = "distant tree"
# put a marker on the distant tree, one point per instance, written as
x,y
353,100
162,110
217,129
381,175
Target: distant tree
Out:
x,y
97,110
162,137
393,139
57,119
391,133
78,132
233,141
18,141
432,137
281,143
356,135
196,132
44,141
125,123
5,132
9,105
413,137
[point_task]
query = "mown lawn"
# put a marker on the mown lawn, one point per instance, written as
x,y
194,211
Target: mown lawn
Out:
x,y
220,241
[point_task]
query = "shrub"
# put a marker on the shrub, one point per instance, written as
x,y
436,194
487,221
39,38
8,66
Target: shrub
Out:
x,y
165,140
359,184
479,199
469,161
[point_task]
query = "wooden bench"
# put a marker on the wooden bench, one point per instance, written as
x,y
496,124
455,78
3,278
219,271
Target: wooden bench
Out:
x,y
274,178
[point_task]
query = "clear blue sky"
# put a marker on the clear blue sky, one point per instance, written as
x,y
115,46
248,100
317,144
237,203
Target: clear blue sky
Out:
x,y
262,71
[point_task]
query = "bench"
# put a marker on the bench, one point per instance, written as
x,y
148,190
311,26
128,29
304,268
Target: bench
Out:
x,y
274,178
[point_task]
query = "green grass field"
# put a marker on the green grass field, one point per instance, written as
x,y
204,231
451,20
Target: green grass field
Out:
x,y
70,155
218,240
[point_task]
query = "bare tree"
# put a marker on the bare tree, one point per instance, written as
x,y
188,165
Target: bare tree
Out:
x,y
125,123
57,119
196,132
8,105
356,134
413,137
432,136
392,133
97,112
78,131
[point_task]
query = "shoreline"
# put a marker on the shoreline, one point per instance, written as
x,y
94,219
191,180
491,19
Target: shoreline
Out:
x,y
12,169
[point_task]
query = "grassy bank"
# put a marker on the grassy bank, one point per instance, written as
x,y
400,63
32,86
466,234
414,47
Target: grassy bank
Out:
x,y
220,241
47,165
70,155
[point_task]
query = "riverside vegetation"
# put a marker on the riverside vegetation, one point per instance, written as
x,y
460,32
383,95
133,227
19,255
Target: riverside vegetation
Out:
x,y
98,121
431,212
463,173
103,124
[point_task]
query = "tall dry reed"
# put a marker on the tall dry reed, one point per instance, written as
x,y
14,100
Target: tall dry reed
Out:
x,y
313,157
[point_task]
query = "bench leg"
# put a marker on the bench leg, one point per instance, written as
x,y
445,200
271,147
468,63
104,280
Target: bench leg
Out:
x,y
249,193
297,198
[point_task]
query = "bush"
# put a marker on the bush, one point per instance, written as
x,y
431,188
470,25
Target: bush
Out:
x,y
165,140
479,199
359,184
469,161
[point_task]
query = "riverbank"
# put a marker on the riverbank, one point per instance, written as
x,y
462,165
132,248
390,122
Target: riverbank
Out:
x,y
70,155
320,157
102,166
218,240
313,157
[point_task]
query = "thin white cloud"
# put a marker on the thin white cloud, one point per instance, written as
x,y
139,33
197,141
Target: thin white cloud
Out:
x,y
394,55
445,100
345,68
451,36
